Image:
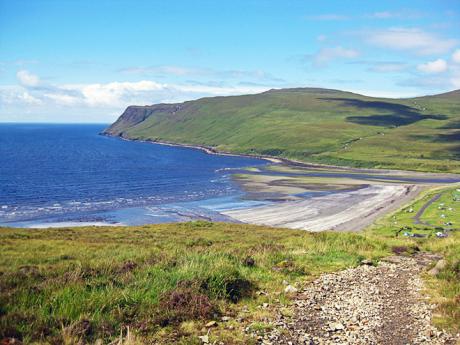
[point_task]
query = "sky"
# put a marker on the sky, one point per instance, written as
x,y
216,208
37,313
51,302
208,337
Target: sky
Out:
x,y
86,61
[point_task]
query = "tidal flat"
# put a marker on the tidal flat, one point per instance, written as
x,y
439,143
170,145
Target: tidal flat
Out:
x,y
318,198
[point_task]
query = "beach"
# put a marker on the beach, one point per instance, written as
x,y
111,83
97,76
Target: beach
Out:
x,y
346,211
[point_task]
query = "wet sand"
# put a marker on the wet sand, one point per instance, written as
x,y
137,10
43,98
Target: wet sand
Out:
x,y
344,211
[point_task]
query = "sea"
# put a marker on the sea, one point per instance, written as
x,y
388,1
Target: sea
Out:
x,y
69,174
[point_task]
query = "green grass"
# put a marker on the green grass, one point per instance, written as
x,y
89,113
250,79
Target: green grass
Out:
x,y
52,280
71,284
312,125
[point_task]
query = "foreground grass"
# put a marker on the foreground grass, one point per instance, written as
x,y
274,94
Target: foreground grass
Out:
x,y
92,282
166,282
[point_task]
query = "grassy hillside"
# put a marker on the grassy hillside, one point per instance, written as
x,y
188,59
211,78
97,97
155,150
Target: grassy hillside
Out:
x,y
312,125
166,282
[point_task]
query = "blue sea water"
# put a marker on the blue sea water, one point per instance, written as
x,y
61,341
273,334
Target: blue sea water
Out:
x,y
70,173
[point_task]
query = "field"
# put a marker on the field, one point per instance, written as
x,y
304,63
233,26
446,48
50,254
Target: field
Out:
x,y
311,125
165,283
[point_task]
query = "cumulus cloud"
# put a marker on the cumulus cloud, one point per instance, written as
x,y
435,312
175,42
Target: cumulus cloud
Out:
x,y
108,97
436,66
456,56
409,39
326,55
27,79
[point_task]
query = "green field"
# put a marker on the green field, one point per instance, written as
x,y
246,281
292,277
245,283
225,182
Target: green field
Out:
x,y
166,282
312,125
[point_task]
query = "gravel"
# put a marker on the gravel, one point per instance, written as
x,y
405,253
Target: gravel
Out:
x,y
363,305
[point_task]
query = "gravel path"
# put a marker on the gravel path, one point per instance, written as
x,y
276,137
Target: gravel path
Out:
x,y
364,305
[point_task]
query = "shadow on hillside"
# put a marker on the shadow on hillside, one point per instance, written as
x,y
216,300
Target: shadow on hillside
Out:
x,y
398,114
452,125
451,139
448,137
451,152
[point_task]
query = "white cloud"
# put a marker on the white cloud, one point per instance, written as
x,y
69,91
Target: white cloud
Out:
x,y
29,99
456,56
27,79
111,97
10,95
62,99
326,55
436,66
409,39
114,93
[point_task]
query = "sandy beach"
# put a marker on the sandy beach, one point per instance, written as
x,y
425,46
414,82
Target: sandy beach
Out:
x,y
345,211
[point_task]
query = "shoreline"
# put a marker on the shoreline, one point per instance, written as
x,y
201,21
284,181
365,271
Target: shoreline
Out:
x,y
278,160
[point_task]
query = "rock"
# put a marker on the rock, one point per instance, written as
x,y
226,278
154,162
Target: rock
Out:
x,y
366,262
211,324
440,265
336,326
290,289
204,339
225,318
361,305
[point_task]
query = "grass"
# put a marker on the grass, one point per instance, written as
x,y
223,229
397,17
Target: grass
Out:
x,y
312,125
92,283
166,282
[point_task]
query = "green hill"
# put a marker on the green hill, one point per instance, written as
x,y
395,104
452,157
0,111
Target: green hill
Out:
x,y
311,125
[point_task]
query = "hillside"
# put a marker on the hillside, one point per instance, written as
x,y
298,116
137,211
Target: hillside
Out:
x,y
311,125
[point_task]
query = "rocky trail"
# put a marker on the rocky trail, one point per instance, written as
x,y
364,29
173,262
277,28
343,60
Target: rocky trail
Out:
x,y
380,304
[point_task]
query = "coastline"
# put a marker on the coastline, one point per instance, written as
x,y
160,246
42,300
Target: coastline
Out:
x,y
280,160
203,148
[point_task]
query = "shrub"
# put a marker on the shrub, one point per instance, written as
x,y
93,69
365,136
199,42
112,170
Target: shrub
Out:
x,y
183,304
228,284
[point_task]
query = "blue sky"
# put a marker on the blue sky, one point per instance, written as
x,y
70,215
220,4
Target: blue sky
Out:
x,y
85,61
